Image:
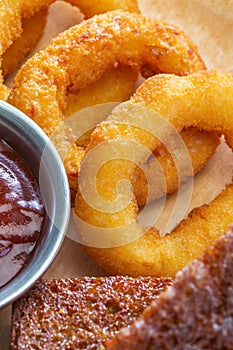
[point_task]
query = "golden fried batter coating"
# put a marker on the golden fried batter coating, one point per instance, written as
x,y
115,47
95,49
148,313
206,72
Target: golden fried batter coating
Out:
x,y
19,29
115,85
79,56
165,256
12,12
97,45
201,146
203,100
96,7
33,28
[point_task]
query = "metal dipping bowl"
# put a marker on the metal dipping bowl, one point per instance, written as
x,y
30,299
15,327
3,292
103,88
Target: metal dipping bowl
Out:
x,y
30,142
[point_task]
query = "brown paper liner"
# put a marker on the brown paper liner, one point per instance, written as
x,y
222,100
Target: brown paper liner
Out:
x,y
210,28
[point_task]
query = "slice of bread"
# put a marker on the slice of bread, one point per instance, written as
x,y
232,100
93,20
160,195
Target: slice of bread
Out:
x,y
80,313
196,312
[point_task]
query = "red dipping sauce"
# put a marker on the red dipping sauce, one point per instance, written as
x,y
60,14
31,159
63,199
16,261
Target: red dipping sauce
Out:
x,y
21,213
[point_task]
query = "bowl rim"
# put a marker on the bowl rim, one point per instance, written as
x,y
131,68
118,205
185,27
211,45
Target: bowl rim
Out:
x,y
39,261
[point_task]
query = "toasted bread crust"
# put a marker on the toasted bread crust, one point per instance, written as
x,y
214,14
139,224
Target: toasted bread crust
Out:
x,y
195,313
80,313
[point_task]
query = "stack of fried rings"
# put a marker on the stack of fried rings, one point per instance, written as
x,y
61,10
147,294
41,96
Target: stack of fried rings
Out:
x,y
42,86
23,21
203,100
40,90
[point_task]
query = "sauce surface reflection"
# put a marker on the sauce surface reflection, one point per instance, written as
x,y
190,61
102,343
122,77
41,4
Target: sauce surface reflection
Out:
x,y
21,213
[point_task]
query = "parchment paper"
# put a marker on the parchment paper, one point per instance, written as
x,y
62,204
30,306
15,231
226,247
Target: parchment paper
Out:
x,y
71,260
209,23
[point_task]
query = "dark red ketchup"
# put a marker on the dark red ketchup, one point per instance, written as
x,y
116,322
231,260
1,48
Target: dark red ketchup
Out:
x,y
21,213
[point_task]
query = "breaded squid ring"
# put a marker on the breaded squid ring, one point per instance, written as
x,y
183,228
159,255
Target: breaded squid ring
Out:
x,y
201,146
33,28
203,100
12,12
115,85
41,87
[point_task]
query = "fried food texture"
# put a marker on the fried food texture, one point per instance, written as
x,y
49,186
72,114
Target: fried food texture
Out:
x,y
115,85
201,146
81,55
203,100
33,29
90,8
194,313
12,13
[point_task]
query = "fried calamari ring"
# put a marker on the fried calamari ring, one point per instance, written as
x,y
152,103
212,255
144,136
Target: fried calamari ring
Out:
x,y
97,45
203,100
12,12
33,28
115,85
201,146
79,56
15,17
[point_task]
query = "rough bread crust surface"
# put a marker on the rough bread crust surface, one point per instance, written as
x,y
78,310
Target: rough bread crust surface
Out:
x,y
80,313
195,313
